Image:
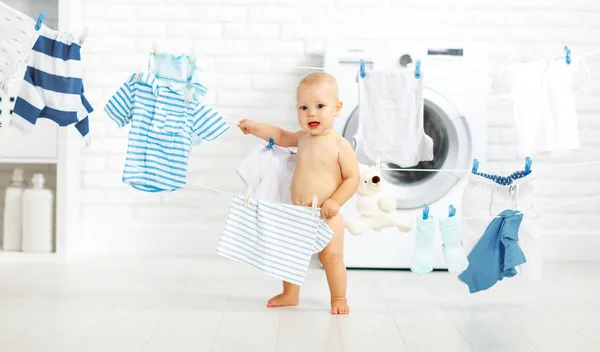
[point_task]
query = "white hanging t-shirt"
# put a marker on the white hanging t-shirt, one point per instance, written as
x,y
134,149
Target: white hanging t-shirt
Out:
x,y
391,125
544,102
269,172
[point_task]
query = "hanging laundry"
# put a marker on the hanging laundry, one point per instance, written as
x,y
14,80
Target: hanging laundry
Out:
x,y
268,169
454,254
180,72
544,105
17,36
496,254
390,124
52,87
276,239
486,195
162,128
422,260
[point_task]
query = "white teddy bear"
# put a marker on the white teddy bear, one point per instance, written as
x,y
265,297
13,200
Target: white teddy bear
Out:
x,y
376,210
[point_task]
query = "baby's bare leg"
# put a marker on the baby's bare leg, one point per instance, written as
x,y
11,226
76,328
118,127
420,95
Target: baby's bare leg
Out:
x,y
332,258
289,297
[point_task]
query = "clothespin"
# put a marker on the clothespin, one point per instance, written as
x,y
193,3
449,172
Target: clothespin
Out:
x,y
271,143
38,24
451,211
418,69
425,212
315,203
528,163
248,196
190,95
475,166
363,72
378,164
567,55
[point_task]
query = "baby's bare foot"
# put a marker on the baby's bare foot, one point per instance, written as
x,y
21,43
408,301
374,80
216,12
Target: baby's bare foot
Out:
x,y
282,300
339,306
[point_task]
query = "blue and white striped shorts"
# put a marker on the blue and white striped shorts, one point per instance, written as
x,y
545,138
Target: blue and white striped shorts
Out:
x,y
277,239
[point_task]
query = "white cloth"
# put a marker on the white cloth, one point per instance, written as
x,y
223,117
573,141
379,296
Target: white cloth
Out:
x,y
269,172
544,103
17,36
277,239
484,198
390,122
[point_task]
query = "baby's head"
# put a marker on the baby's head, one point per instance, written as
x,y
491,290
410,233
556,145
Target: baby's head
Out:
x,y
317,102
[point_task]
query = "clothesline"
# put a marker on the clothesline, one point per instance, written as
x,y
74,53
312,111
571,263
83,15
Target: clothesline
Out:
x,y
539,169
201,186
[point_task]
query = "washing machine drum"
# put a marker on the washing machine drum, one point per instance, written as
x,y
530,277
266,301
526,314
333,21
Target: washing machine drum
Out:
x,y
451,151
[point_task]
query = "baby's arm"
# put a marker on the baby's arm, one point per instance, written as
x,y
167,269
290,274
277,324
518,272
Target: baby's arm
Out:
x,y
350,180
350,173
281,137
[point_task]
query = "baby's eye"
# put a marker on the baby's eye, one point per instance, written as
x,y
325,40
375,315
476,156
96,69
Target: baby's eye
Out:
x,y
320,106
303,107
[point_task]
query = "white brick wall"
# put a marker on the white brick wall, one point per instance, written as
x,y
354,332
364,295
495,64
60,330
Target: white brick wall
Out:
x,y
246,48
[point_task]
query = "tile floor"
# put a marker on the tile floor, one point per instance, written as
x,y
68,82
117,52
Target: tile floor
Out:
x,y
210,304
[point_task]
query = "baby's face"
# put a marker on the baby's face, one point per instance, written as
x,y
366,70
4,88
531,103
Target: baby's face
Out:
x,y
317,107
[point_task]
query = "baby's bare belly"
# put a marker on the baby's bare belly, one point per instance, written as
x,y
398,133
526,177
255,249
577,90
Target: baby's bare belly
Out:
x,y
309,183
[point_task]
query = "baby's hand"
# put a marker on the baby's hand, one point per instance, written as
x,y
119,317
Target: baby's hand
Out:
x,y
330,208
247,126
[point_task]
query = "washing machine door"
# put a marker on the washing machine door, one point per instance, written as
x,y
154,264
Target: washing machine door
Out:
x,y
451,151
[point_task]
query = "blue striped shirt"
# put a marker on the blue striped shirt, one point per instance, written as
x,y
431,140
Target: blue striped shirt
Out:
x,y
162,129
52,86
277,239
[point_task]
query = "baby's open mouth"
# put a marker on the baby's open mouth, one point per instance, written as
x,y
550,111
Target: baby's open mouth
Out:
x,y
314,124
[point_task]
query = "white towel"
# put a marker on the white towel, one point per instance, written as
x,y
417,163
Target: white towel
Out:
x,y
391,119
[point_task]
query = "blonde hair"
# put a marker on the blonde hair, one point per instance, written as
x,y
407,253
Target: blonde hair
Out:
x,y
319,78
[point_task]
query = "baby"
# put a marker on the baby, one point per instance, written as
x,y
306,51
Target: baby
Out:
x,y
326,167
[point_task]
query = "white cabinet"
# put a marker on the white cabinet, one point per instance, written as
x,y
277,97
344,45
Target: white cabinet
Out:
x,y
15,147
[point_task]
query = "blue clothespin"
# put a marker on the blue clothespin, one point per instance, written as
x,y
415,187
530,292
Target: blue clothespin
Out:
x,y
418,69
363,73
425,211
271,143
40,19
528,163
451,211
568,55
475,166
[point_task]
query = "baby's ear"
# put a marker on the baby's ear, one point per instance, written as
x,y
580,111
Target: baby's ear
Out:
x,y
338,108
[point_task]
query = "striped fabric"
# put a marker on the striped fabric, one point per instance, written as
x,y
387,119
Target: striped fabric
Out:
x,y
162,128
277,239
53,86
17,36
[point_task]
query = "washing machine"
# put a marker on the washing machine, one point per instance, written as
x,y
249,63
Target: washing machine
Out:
x,y
455,97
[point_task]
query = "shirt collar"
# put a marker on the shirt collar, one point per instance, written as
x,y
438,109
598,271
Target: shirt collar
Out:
x,y
150,79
